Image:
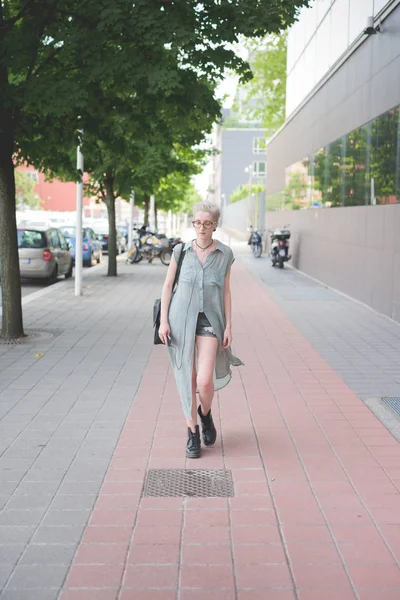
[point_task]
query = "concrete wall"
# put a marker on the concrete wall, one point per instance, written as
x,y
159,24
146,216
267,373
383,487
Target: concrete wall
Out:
x,y
355,250
364,87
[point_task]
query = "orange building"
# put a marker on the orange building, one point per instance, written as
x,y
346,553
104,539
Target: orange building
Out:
x,y
59,195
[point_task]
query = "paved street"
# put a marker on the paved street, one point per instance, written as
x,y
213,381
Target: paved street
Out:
x,y
87,412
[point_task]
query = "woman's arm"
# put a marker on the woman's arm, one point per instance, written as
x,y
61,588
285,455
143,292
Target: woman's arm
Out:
x,y
166,294
228,311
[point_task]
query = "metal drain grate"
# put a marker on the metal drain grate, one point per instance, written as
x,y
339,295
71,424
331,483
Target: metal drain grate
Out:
x,y
196,483
33,336
393,402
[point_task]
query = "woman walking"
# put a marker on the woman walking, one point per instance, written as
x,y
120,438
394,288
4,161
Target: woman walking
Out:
x,y
196,324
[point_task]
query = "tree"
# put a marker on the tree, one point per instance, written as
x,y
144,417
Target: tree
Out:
x,y
54,55
264,96
25,191
244,191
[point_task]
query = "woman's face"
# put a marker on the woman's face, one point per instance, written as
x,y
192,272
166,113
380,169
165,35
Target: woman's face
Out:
x,y
202,232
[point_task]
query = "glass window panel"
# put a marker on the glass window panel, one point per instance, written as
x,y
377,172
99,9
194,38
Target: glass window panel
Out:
x,y
360,168
384,157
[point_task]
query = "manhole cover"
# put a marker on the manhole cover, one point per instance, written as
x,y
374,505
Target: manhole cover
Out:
x,y
393,402
33,336
196,483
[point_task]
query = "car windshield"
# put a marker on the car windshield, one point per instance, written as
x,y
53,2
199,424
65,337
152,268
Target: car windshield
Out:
x,y
69,231
28,238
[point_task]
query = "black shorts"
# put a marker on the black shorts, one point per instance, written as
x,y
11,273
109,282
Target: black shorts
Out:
x,y
203,327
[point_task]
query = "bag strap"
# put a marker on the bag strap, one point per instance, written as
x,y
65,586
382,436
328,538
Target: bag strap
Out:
x,y
179,266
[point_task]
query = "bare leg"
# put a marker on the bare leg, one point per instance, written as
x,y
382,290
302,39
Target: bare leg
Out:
x,y
206,356
193,421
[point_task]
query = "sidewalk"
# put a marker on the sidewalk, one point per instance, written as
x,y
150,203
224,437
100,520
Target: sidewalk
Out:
x,y
316,510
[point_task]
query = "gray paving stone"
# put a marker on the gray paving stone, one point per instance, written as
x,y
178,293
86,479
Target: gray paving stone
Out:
x,y
20,517
48,554
37,576
43,475
73,502
29,502
80,487
47,534
36,488
5,572
10,553
66,517
15,534
31,594
17,464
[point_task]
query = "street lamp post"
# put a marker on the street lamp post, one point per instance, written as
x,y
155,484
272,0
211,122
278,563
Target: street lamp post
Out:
x,y
78,228
130,227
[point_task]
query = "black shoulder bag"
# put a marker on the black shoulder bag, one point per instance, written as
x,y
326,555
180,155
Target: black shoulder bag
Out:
x,y
157,303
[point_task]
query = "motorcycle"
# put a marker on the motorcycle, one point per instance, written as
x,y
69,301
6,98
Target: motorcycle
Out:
x,y
279,252
149,245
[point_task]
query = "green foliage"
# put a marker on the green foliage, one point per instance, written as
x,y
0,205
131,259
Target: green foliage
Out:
x,y
265,94
177,193
26,196
243,192
93,65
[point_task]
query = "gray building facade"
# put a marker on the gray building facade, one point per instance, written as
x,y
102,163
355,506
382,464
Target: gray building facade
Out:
x,y
240,159
338,154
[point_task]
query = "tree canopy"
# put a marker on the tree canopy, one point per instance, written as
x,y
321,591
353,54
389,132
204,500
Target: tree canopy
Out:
x,y
265,95
57,57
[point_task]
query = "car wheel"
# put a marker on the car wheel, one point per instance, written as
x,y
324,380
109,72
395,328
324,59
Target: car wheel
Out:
x,y
54,276
68,274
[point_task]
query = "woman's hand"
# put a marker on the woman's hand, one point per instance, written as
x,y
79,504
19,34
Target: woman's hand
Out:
x,y
227,338
163,331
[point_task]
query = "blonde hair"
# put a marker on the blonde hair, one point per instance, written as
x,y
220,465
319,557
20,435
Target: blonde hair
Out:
x,y
208,207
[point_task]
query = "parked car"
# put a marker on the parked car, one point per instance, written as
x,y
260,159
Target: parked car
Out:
x,y
44,254
102,234
91,247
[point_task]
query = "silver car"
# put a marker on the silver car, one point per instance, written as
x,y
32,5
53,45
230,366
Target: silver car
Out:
x,y
44,254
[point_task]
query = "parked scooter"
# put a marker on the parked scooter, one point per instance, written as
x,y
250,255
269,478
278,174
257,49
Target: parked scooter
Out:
x,y
255,241
279,252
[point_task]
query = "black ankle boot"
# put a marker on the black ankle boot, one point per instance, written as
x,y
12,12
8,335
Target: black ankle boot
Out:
x,y
193,448
208,428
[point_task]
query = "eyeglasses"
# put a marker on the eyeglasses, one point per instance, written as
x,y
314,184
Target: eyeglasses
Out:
x,y
206,224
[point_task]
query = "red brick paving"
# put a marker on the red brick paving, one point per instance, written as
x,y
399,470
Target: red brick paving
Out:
x,y
316,515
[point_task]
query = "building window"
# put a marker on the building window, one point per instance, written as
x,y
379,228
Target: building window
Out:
x,y
359,168
259,145
259,169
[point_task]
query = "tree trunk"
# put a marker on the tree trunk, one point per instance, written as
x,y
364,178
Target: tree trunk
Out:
x,y
112,233
146,210
155,217
12,326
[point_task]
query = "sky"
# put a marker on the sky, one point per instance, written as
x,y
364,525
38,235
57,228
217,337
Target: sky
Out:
x,y
226,90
